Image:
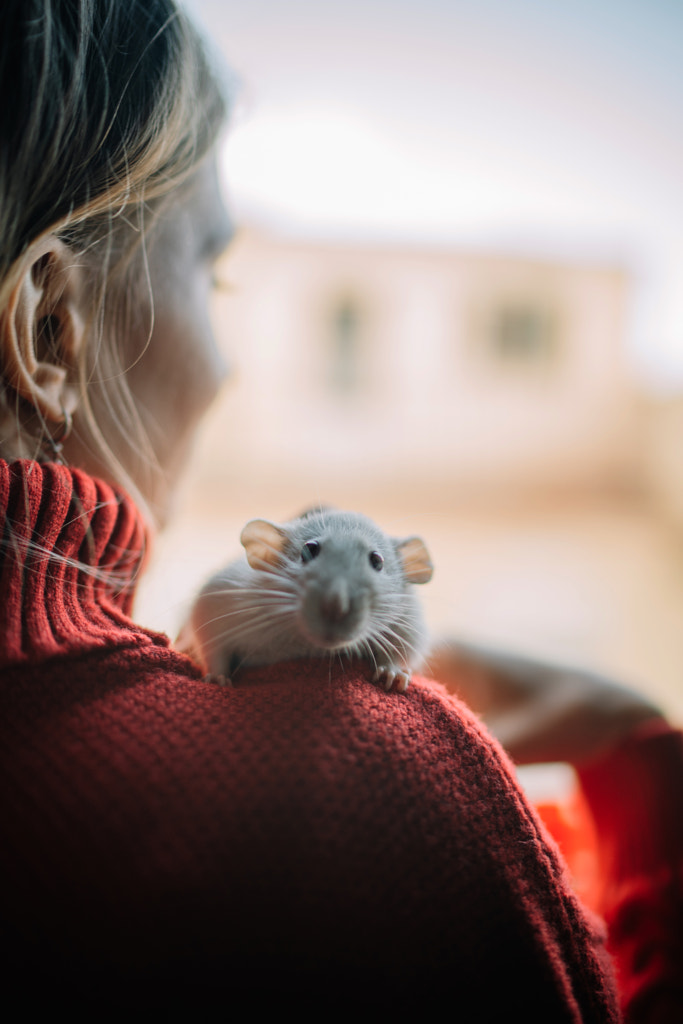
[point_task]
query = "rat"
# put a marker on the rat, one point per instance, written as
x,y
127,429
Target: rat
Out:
x,y
327,583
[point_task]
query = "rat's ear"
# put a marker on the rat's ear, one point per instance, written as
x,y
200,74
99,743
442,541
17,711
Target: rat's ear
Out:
x,y
263,543
41,331
417,565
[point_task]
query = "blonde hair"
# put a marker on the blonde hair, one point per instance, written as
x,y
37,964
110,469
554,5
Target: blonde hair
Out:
x,y
109,105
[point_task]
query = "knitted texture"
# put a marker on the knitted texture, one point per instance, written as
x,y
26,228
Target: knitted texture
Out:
x,y
302,835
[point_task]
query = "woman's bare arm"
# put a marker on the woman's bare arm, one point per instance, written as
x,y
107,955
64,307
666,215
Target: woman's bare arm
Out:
x,y
539,711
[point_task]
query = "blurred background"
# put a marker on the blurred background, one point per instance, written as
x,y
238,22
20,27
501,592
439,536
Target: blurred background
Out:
x,y
455,303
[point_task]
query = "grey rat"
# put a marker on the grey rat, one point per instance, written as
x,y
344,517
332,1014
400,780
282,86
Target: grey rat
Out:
x,y
326,583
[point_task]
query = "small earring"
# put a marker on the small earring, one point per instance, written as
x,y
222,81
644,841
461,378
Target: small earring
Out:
x,y
57,443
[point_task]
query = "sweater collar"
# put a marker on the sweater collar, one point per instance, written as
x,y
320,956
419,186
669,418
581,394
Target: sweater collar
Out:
x,y
71,551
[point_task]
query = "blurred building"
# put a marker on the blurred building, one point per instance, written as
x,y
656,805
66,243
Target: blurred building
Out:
x,y
435,367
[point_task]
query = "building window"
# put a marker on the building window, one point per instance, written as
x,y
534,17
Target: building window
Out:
x,y
346,329
519,336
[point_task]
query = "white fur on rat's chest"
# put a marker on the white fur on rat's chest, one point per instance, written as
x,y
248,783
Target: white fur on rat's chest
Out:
x,y
327,584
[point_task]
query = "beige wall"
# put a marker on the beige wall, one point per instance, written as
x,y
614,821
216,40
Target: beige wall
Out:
x,y
663,466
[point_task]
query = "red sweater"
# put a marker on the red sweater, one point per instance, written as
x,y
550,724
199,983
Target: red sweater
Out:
x,y
302,835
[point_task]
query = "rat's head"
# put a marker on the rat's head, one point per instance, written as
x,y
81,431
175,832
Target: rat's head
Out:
x,y
349,576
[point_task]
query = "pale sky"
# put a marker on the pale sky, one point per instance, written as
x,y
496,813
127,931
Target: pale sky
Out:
x,y
524,125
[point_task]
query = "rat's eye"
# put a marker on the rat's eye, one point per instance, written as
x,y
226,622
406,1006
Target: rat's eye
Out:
x,y
376,561
310,550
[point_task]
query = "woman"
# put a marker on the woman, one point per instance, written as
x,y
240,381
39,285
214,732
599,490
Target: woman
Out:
x,y
303,835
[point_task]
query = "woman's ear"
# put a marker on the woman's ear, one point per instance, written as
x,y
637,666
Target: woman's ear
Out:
x,y
41,331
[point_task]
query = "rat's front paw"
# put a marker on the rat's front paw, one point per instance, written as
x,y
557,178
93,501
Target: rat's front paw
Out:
x,y
392,678
216,678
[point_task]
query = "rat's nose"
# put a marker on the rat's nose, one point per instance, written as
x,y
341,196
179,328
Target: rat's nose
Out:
x,y
336,604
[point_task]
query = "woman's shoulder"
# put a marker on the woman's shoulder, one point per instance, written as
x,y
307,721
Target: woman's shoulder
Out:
x,y
303,818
